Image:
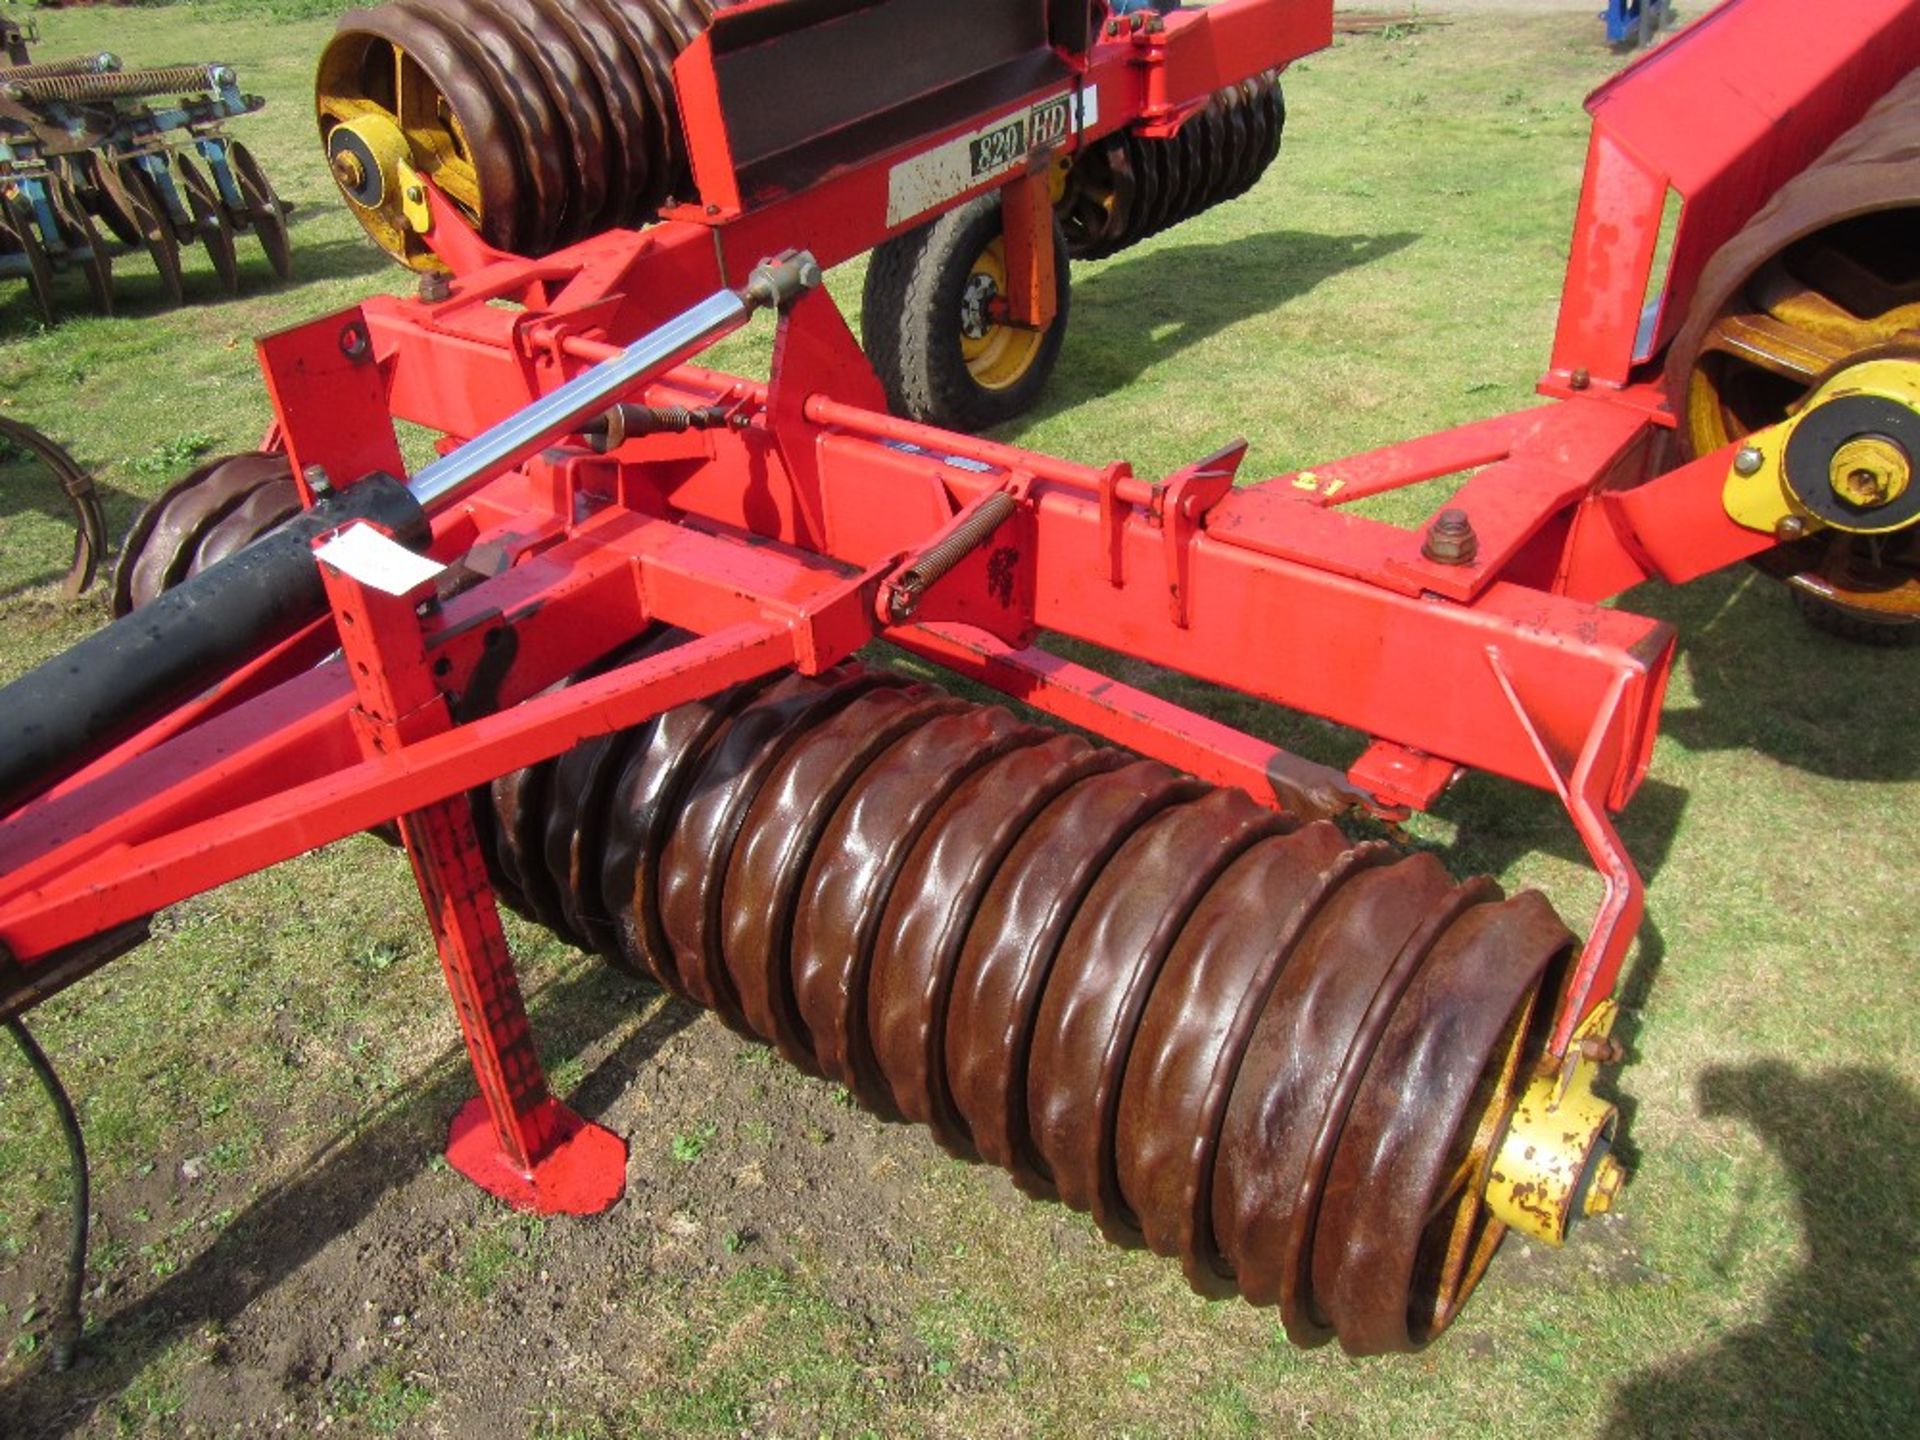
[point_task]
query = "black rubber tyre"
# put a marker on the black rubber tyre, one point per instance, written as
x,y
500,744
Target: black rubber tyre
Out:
x,y
911,319
1859,627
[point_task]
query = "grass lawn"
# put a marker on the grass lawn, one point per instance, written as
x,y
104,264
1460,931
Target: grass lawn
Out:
x,y
265,1086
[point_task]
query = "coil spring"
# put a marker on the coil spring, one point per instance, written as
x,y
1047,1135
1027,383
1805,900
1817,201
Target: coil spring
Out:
x,y
564,111
1127,188
1273,1054
81,85
100,63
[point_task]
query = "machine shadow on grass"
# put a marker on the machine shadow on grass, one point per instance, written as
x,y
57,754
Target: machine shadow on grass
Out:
x,y
1767,681
1838,1351
288,1226
1121,306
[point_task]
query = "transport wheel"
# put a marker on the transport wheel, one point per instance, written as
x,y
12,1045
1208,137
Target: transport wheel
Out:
x,y
264,208
1843,622
22,234
933,319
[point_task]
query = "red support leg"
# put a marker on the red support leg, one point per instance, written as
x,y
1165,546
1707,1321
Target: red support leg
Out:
x,y
513,1139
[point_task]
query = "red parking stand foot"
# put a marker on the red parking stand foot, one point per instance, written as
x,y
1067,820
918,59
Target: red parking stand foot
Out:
x,y
582,1171
513,1140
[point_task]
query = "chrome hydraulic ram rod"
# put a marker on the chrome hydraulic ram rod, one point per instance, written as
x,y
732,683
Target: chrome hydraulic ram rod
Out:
x,y
586,396
59,715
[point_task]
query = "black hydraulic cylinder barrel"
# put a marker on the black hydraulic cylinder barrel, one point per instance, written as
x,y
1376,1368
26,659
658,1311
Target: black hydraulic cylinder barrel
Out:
x,y
56,717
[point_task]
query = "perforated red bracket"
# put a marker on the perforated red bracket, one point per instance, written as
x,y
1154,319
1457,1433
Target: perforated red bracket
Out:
x,y
514,1139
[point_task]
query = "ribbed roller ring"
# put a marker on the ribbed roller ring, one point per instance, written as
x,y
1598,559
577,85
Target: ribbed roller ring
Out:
x,y
1126,187
1823,274
1107,967
1008,957
580,800
931,910
852,877
645,803
215,509
545,121
693,867
518,831
1278,1056
1393,1276
766,875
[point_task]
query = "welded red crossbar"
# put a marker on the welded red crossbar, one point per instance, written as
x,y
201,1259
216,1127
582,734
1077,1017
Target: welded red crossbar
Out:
x,y
775,538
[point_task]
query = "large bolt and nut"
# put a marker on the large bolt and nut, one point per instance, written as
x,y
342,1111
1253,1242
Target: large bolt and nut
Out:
x,y
1869,471
1450,539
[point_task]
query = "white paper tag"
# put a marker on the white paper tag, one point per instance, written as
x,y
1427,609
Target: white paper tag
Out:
x,y
378,562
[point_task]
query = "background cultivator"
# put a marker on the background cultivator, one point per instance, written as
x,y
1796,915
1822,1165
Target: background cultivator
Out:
x,y
141,152
605,659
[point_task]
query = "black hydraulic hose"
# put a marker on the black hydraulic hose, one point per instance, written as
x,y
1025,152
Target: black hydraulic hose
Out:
x,y
59,715
66,1324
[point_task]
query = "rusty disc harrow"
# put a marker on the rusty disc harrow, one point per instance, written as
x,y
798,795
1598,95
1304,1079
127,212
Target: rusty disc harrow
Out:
x,y
1277,1056
203,517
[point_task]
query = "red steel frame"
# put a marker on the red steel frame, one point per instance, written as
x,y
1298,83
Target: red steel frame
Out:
x,y
776,540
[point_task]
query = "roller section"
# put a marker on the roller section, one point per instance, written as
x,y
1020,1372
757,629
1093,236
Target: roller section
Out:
x,y
543,121
1280,1058
1126,188
214,510
1825,276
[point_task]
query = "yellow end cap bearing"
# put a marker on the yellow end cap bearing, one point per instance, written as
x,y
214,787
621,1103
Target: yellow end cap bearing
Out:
x,y
373,166
1845,461
1556,1161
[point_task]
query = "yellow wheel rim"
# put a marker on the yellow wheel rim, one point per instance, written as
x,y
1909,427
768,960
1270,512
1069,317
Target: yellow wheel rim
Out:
x,y
998,355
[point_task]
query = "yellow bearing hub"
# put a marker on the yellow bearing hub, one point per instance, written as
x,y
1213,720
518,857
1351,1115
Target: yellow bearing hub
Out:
x,y
384,124
1556,1160
998,355
1843,461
